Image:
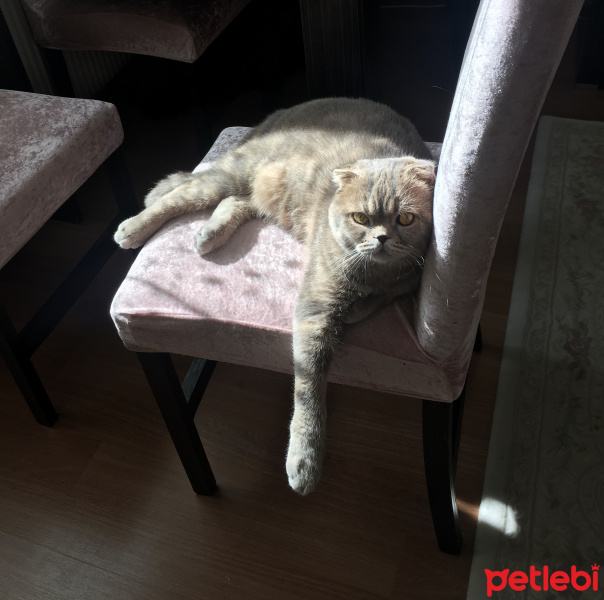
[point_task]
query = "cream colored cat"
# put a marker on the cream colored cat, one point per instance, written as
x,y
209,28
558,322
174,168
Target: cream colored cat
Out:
x,y
354,181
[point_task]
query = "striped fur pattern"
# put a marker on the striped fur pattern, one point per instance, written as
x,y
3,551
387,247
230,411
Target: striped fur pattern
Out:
x,y
354,181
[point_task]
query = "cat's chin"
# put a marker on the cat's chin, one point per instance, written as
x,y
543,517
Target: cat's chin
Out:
x,y
382,257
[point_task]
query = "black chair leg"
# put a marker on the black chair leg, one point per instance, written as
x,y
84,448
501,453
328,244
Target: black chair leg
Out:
x,y
61,81
24,373
178,414
69,212
478,340
121,184
441,432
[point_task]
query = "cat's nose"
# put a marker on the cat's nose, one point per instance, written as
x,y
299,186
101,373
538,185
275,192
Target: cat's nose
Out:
x,y
382,238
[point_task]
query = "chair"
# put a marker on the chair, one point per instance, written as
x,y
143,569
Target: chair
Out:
x,y
49,147
172,29
168,29
221,309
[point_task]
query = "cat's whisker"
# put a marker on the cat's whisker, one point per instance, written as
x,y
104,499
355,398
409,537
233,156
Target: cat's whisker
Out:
x,y
359,260
418,260
356,261
415,256
348,258
345,263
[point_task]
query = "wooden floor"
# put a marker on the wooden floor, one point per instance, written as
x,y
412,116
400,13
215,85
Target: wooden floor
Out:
x,y
99,506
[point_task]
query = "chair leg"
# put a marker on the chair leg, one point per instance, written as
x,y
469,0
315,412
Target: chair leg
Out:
x,y
441,428
61,81
478,340
69,212
178,417
24,373
456,422
121,184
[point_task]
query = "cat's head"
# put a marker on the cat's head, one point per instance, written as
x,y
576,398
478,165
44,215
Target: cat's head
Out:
x,y
382,209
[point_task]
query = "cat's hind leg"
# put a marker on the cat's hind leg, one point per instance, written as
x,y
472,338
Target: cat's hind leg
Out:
x,y
168,184
175,195
226,218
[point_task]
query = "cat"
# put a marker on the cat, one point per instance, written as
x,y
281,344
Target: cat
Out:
x,y
354,181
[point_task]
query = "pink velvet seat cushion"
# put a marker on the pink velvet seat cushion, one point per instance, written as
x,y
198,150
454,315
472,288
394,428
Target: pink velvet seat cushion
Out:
x,y
175,29
236,305
49,146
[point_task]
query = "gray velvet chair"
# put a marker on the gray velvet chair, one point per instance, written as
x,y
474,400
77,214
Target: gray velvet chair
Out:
x,y
236,304
174,29
49,147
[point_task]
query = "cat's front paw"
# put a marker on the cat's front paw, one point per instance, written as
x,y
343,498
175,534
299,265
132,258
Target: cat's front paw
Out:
x,y
303,465
205,242
129,234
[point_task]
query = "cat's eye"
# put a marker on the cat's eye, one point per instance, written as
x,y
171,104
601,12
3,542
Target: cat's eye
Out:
x,y
360,218
405,218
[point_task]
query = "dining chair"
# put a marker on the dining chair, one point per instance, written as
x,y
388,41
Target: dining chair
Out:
x,y
174,29
178,30
49,146
236,304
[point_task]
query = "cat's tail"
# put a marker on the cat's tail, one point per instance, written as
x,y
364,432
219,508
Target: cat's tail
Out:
x,y
176,195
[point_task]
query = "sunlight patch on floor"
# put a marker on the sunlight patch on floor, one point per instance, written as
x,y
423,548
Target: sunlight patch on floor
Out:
x,y
500,516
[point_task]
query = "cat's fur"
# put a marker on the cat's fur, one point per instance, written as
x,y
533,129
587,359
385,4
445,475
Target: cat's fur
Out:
x,y
314,169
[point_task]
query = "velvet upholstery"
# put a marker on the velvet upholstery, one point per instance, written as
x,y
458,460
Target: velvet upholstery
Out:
x,y
175,29
49,146
236,304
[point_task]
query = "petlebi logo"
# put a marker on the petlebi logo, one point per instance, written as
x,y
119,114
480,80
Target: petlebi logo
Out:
x,y
542,580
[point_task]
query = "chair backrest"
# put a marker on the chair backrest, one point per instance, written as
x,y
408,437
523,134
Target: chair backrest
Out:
x,y
510,61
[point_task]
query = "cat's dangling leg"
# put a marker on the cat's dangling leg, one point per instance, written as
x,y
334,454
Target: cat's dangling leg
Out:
x,y
226,218
314,337
175,195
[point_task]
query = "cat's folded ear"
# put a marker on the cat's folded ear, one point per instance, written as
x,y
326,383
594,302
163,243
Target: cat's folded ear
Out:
x,y
344,175
425,170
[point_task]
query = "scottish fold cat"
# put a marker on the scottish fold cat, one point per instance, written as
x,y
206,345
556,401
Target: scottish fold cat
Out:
x,y
354,181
